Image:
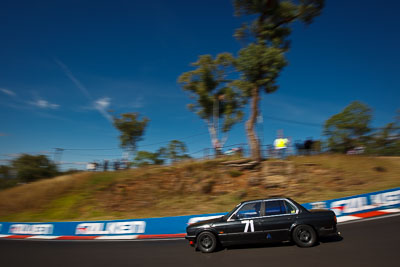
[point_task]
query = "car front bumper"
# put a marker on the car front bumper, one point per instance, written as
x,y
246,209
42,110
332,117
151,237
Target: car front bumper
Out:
x,y
190,237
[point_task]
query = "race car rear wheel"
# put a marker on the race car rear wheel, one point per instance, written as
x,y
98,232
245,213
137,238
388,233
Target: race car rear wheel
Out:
x,y
304,236
206,242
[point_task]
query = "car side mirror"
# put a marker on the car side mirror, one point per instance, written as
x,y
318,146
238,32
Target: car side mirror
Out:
x,y
234,217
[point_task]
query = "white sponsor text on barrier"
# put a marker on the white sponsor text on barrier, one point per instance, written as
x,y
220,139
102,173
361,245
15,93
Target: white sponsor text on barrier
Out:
x,y
31,229
130,227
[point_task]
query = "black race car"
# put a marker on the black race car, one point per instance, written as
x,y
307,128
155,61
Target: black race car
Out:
x,y
264,220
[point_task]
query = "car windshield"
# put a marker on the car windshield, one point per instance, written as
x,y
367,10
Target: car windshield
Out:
x,y
231,212
249,210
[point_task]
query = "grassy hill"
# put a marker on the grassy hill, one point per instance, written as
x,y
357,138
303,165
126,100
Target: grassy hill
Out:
x,y
194,188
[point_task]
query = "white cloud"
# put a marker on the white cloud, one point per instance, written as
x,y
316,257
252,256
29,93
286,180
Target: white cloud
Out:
x,y
7,92
103,103
100,104
73,78
41,103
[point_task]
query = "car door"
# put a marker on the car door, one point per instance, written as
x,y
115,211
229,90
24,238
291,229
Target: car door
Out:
x,y
278,217
244,225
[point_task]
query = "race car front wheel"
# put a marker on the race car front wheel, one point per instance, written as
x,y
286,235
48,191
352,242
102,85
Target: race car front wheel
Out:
x,y
304,236
206,242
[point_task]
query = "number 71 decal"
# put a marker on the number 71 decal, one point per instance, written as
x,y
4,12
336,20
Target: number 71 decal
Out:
x,y
248,222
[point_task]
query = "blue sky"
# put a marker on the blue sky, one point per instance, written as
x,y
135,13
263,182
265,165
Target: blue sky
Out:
x,y
63,64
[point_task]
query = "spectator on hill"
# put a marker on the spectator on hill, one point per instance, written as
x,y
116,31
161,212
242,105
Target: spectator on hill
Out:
x,y
299,145
308,144
281,145
96,166
105,165
116,165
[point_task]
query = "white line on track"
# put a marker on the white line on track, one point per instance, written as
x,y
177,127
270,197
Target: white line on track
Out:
x,y
371,219
101,240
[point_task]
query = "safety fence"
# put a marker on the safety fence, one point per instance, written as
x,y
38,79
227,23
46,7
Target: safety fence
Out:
x,y
166,227
267,151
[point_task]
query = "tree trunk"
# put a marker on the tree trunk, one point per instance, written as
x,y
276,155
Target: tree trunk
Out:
x,y
251,134
214,138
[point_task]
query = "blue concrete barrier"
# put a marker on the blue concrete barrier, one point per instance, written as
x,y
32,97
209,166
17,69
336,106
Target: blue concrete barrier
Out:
x,y
385,199
176,226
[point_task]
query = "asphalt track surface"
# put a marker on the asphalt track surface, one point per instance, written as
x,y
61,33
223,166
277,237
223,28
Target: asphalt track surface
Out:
x,y
365,243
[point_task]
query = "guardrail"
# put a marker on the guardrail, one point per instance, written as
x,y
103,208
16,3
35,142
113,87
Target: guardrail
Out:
x,y
169,227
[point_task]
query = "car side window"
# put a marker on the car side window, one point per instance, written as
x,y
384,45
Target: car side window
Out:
x,y
275,207
249,210
289,208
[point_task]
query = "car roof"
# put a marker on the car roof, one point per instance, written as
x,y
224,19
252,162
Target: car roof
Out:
x,y
263,199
